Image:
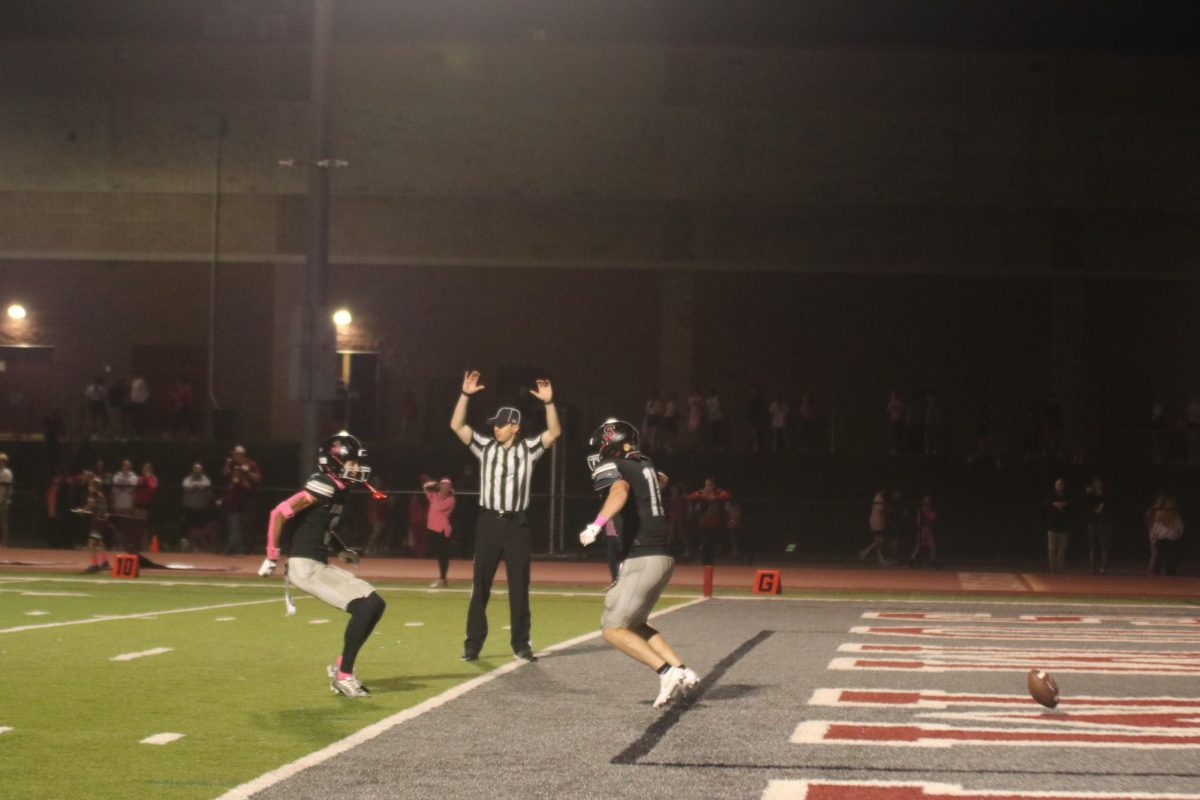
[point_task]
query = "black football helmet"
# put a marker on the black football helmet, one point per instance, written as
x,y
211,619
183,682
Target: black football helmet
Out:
x,y
339,449
614,438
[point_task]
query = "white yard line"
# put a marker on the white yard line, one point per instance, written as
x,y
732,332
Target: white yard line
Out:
x,y
5,729
162,738
143,615
371,731
156,651
28,593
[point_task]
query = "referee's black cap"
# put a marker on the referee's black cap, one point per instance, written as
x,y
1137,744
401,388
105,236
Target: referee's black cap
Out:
x,y
505,415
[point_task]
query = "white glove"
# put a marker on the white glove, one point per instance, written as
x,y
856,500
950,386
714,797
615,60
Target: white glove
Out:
x,y
589,534
268,566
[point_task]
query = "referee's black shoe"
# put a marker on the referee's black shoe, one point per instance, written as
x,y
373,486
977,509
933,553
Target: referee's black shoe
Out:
x,y
469,655
525,654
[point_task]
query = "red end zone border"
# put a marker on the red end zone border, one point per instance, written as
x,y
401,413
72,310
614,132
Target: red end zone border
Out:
x,y
904,790
1018,634
1033,619
930,735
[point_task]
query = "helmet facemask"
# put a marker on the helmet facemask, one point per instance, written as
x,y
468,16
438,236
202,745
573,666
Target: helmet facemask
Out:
x,y
344,457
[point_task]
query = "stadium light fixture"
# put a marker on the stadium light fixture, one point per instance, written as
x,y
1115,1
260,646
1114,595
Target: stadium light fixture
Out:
x,y
16,311
342,317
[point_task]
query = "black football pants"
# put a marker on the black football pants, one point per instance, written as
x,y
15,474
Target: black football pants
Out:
x,y
495,538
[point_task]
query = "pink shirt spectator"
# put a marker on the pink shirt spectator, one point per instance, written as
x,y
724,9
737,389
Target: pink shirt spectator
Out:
x,y
440,507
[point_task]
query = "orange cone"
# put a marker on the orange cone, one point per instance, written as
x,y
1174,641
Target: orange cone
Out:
x,y
154,543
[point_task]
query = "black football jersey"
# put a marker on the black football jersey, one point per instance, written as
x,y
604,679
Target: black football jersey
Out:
x,y
311,526
643,520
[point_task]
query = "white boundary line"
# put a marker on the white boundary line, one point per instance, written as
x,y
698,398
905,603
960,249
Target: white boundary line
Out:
x,y
1029,599
877,598
143,615
157,651
368,733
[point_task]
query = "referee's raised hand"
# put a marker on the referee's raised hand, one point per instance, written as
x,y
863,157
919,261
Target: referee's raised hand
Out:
x,y
544,391
471,383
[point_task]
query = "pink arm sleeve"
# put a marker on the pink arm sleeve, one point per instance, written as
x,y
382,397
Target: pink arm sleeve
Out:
x,y
281,512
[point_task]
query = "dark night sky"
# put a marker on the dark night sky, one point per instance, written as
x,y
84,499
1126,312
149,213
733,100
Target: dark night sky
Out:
x,y
1085,26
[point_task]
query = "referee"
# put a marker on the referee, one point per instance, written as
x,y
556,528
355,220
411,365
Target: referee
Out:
x,y
506,472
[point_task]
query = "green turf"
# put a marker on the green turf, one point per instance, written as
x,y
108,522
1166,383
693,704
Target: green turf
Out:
x,y
249,693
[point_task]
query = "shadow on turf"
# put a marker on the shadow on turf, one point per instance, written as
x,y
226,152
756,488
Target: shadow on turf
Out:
x,y
407,683
733,691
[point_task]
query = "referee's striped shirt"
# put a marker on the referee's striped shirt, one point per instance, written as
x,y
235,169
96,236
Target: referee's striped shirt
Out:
x,y
505,472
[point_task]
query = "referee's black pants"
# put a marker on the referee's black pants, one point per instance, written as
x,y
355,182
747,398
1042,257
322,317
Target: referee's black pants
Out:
x,y
499,537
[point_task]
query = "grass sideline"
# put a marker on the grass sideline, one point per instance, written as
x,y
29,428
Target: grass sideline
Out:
x,y
243,683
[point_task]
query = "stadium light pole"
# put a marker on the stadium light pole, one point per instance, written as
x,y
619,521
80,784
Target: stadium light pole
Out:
x,y
318,347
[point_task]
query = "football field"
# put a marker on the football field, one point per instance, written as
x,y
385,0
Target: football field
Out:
x,y
203,688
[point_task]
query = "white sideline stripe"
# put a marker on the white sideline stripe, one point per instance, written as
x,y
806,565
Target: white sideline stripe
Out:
x,y
162,738
27,593
144,615
368,733
156,651
814,595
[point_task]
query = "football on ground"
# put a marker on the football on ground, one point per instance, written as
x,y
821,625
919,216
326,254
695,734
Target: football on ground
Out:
x,y
1043,688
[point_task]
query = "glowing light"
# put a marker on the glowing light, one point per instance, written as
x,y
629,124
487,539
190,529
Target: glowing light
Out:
x,y
16,311
342,318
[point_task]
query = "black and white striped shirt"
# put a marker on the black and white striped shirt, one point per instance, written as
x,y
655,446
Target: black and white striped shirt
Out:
x,y
505,472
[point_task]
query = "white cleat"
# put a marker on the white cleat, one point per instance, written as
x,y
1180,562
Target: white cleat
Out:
x,y
669,685
690,679
349,687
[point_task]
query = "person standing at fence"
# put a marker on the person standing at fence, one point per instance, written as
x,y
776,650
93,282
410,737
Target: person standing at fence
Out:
x,y
199,523
1166,529
243,476
121,508
1059,509
506,472
97,507
925,551
6,491
143,498
441,506
711,506
1099,526
877,523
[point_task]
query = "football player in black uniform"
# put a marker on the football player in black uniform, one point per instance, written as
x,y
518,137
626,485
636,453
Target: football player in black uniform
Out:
x,y
314,513
619,468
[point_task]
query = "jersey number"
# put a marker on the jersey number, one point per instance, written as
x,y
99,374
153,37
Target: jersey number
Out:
x,y
656,506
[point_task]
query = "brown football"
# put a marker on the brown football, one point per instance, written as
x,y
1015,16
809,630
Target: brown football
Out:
x,y
1043,688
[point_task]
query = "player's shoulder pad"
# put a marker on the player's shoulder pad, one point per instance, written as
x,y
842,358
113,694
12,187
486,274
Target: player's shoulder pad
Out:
x,y
605,475
321,485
